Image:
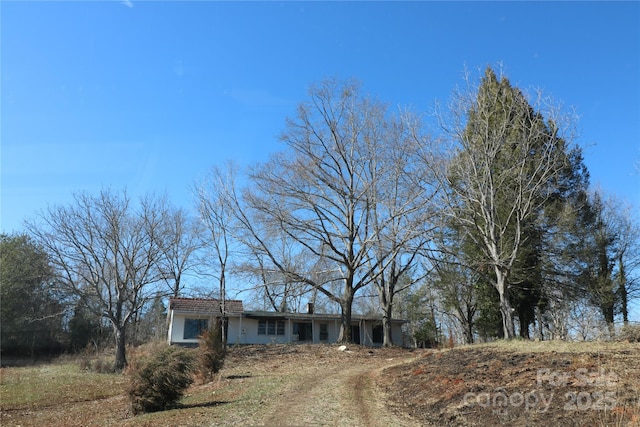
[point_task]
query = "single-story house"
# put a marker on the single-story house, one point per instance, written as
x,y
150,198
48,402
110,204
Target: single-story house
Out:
x,y
189,317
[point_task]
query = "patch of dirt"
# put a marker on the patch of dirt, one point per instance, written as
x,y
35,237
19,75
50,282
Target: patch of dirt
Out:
x,y
336,388
492,385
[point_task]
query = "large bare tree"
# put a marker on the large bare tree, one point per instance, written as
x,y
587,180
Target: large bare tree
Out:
x,y
403,213
106,250
321,193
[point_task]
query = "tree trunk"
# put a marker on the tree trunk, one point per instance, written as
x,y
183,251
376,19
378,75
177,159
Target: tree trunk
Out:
x,y
607,310
223,307
345,317
508,326
386,302
121,356
387,340
622,290
468,330
624,304
524,324
539,323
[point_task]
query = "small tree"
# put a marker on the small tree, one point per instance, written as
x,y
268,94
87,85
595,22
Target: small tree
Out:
x,y
212,350
159,381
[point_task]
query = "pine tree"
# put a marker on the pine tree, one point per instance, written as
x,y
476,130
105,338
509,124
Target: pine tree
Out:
x,y
504,174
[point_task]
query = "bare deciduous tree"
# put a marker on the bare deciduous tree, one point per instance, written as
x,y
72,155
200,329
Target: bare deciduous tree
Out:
x,y
104,249
403,215
457,284
321,193
215,197
180,242
279,291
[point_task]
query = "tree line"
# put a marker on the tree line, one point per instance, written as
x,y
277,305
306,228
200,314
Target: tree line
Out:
x,y
485,223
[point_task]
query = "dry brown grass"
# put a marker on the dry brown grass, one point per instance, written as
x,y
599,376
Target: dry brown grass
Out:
x,y
521,383
319,385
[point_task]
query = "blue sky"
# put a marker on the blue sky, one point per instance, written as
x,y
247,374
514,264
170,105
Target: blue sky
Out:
x,y
150,95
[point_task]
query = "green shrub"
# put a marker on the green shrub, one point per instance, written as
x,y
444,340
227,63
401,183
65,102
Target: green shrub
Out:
x,y
158,381
211,350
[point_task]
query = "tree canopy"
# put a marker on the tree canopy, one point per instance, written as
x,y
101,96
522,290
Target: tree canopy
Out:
x,y
488,222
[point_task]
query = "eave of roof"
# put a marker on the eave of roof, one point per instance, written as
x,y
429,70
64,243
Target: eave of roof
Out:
x,y
233,308
205,306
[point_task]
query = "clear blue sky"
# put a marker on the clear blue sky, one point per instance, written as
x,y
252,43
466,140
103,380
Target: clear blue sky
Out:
x,y
150,95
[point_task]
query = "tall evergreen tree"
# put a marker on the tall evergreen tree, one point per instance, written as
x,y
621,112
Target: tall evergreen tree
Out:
x,y
610,241
31,315
503,173
599,272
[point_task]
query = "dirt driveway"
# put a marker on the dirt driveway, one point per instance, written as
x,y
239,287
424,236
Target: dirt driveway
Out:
x,y
336,388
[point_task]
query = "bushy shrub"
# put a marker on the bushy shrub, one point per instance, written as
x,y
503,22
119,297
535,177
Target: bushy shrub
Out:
x,y
159,380
211,350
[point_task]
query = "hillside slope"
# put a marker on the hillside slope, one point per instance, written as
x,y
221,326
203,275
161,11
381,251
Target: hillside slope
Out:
x,y
520,384
514,383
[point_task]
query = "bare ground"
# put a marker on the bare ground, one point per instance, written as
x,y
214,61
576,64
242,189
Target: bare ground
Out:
x,y
520,384
340,392
593,384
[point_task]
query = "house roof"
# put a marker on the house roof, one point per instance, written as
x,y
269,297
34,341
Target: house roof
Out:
x,y
205,305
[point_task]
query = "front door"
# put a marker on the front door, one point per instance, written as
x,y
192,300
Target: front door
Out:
x,y
303,330
355,334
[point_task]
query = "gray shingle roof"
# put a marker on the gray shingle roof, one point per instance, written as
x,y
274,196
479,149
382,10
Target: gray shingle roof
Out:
x,y
204,305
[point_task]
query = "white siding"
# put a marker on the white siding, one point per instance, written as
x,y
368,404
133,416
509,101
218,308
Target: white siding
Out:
x,y
243,330
176,328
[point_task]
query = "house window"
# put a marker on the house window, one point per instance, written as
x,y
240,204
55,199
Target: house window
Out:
x,y
324,332
193,328
270,327
280,327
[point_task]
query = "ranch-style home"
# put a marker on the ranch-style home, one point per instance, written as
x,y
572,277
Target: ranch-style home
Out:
x,y
189,317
